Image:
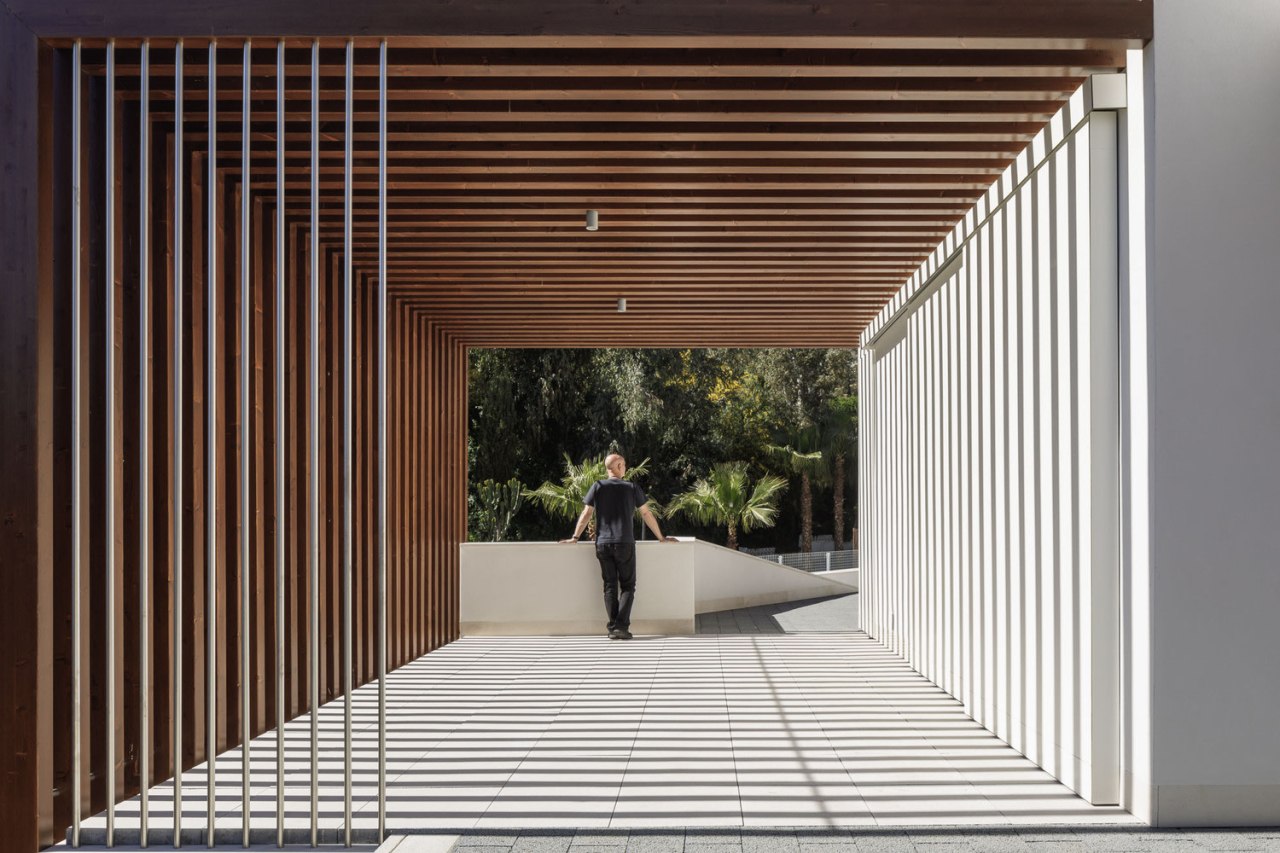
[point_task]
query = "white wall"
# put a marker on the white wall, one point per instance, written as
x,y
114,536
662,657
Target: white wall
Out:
x,y
990,473
726,580
1214,274
545,588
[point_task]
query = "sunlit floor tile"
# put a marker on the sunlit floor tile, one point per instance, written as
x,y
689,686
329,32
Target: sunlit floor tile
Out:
x,y
708,731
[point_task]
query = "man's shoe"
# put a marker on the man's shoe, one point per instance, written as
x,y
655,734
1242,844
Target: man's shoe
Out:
x,y
621,635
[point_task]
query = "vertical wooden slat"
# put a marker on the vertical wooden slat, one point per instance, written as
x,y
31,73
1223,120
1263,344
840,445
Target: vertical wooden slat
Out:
x,y
278,407
92,498
313,443
160,215
176,496
212,409
144,447
129,447
347,389
246,451
77,444
380,396
110,453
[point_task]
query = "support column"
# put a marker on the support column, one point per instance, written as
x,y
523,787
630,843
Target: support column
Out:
x,y
26,434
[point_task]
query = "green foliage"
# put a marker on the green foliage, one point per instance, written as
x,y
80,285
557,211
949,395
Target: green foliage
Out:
x,y
723,499
563,500
797,462
839,431
497,504
839,427
685,409
810,466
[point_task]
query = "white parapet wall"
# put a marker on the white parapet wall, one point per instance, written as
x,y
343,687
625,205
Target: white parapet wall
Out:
x,y
549,589
725,580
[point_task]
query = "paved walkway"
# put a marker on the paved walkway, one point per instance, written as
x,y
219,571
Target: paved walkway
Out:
x,y
763,735
819,616
810,840
826,730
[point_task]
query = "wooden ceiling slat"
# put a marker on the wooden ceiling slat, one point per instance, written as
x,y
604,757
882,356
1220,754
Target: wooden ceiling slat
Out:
x,y
765,192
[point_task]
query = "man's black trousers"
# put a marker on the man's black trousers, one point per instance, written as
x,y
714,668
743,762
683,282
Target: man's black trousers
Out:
x,y
618,570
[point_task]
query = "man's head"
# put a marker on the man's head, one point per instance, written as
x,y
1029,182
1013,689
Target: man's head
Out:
x,y
615,465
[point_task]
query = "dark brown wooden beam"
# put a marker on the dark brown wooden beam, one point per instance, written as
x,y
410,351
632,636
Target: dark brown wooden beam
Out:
x,y
595,21
26,434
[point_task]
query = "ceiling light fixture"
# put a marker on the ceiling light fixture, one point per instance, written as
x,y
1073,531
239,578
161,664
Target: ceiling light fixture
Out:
x,y
622,304
593,220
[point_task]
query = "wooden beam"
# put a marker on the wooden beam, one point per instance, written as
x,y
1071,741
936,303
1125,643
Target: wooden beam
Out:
x,y
26,433
598,22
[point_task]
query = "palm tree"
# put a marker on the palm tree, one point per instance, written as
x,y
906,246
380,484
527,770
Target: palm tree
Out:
x,y
722,498
564,499
808,465
840,440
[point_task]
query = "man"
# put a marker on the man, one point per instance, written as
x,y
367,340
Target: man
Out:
x,y
614,501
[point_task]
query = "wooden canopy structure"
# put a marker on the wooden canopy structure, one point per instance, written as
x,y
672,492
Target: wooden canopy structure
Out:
x,y
191,389
751,191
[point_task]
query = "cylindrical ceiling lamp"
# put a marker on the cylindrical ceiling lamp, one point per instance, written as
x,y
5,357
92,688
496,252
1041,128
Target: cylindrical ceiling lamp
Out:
x,y
622,304
593,220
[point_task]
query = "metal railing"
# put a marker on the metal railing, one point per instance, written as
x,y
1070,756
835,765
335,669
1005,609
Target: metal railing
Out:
x,y
815,561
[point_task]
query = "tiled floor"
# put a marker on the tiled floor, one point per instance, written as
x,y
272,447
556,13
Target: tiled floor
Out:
x,y
823,730
815,840
838,614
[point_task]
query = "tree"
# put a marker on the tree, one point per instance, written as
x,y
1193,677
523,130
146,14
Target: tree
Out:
x,y
722,498
498,504
806,463
564,499
840,442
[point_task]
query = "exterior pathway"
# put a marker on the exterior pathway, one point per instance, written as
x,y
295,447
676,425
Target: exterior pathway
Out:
x,y
811,840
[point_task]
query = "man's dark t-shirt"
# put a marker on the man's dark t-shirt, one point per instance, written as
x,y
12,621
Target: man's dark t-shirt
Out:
x,y
615,502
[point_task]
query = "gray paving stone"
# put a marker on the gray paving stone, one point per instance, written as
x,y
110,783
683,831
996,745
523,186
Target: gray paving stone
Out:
x,y
770,842
998,841
551,841
728,835
1118,841
849,846
600,838
698,847
926,839
1058,836
655,841
1222,839
488,839
825,847
807,835
887,842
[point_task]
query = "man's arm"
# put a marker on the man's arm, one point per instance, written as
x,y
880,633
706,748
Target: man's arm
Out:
x,y
583,518
652,523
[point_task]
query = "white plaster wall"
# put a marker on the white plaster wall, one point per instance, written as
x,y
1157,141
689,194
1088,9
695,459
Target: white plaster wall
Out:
x,y
848,577
1214,272
545,588
726,580
549,589
990,474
